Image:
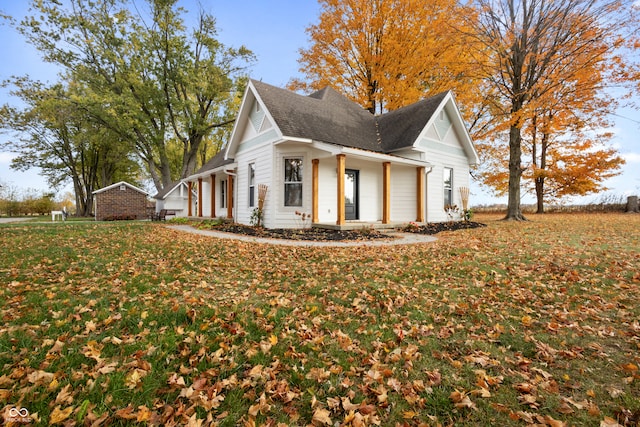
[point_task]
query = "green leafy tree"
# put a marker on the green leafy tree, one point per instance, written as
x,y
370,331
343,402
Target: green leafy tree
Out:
x,y
51,132
149,79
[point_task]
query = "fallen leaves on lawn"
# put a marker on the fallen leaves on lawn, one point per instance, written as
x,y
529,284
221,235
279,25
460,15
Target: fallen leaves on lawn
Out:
x,y
529,324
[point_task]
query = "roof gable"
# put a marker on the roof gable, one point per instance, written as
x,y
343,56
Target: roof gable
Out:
x,y
330,117
167,190
402,127
445,117
118,184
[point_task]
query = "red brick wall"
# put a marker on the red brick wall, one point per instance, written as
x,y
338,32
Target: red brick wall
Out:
x,y
120,204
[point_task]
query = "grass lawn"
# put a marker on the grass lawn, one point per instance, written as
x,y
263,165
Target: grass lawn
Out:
x,y
511,324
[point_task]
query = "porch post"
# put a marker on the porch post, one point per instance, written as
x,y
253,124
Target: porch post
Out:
x,y
189,199
314,190
200,197
420,194
340,179
386,192
230,196
213,196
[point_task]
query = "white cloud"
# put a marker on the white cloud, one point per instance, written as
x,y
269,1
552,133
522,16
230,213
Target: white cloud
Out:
x,y
631,157
5,158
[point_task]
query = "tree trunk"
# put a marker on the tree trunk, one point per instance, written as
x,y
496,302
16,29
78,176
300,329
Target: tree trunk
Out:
x,y
539,182
514,212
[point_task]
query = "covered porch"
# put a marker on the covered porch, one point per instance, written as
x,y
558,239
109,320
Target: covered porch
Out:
x,y
367,189
211,194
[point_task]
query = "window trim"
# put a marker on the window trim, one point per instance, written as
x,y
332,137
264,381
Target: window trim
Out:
x,y
447,189
287,183
252,184
223,193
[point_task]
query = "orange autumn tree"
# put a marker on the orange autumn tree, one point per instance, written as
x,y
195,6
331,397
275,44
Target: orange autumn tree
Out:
x,y
551,62
564,133
385,54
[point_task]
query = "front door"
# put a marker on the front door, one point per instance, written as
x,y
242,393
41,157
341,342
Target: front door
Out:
x,y
351,194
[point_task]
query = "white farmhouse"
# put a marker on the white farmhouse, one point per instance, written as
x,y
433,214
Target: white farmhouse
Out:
x,y
326,157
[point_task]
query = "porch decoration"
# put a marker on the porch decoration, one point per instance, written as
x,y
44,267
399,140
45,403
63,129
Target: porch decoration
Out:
x,y
258,212
464,196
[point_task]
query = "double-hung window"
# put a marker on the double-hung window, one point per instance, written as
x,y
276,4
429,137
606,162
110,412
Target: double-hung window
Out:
x,y
252,185
293,181
448,187
223,193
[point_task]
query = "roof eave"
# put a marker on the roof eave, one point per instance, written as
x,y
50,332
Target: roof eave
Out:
x,y
109,187
208,173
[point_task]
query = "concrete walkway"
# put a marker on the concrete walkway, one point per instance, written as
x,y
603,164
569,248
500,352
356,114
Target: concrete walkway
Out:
x,y
7,220
396,238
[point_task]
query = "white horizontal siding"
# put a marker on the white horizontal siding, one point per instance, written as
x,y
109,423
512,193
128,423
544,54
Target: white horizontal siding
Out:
x,y
435,183
285,216
403,193
262,158
327,190
370,188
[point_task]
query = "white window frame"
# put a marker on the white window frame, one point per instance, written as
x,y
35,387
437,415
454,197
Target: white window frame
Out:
x,y
447,189
223,193
289,183
252,184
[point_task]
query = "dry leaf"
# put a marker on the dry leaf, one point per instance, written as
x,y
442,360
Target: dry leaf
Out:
x,y
321,416
609,422
59,415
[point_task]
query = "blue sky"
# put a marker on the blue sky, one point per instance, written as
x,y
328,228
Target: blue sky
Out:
x,y
275,31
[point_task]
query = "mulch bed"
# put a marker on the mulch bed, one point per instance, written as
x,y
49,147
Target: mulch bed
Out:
x,y
315,234
437,227
321,234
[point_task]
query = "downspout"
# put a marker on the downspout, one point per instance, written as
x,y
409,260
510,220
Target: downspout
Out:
x,y
234,175
426,190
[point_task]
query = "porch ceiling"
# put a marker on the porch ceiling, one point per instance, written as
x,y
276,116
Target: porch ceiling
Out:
x,y
371,156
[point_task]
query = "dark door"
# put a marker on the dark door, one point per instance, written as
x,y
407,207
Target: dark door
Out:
x,y
351,210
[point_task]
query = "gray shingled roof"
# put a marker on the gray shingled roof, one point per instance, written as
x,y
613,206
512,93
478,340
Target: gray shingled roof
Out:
x,y
215,162
400,128
162,194
325,116
328,116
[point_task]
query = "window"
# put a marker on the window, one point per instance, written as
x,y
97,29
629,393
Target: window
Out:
x,y
252,185
223,193
448,187
293,181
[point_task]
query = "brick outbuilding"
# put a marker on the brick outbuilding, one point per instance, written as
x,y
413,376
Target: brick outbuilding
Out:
x,y
120,201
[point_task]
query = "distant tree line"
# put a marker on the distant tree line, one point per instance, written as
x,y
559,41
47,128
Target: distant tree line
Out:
x,y
16,202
